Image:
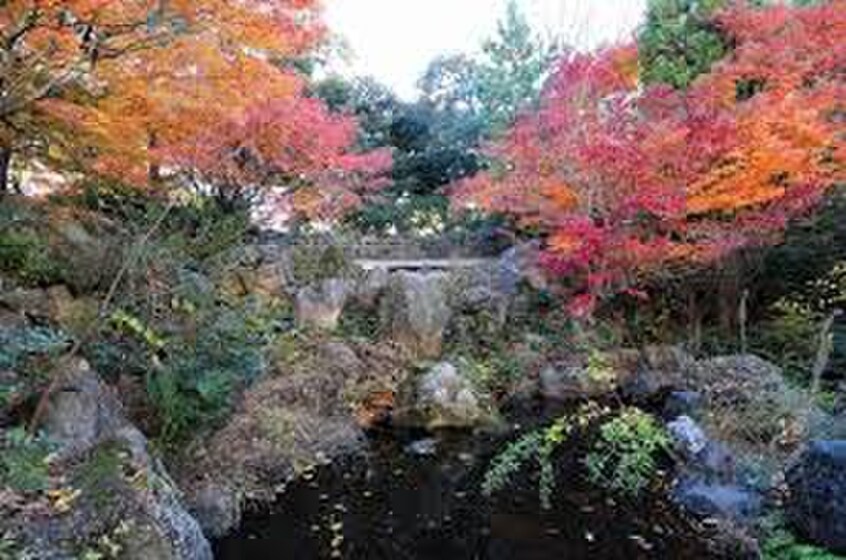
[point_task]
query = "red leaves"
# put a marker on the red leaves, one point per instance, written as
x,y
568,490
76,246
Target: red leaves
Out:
x,y
659,177
212,101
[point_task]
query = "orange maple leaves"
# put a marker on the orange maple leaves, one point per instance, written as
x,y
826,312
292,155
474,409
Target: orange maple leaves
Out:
x,y
623,181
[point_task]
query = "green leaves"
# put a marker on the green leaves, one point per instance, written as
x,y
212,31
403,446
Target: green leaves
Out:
x,y
625,457
678,43
23,461
515,65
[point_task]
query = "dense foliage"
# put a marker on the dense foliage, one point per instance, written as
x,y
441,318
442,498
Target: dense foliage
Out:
x,y
626,182
147,90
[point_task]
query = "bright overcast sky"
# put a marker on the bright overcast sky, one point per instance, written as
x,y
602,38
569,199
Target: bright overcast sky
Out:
x,y
394,40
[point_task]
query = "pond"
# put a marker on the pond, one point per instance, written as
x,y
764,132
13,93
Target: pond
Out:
x,y
418,496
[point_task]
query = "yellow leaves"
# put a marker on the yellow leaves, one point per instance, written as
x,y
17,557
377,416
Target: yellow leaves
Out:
x,y
62,499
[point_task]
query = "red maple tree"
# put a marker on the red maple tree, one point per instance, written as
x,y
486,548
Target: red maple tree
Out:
x,y
625,181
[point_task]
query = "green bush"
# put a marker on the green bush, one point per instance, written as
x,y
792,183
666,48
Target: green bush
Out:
x,y
789,338
539,445
26,256
780,544
199,371
23,461
312,264
19,345
625,458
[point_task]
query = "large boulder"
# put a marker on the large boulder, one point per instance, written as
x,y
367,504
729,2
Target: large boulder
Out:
x,y
520,263
709,482
55,304
319,306
415,311
122,491
727,501
302,415
817,499
82,411
590,376
659,370
444,397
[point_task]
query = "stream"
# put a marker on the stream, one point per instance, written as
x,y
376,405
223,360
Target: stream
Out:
x,y
418,496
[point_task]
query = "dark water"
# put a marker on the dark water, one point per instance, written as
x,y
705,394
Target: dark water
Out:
x,y
395,504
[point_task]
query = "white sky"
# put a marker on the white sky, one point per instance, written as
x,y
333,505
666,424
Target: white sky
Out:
x,y
394,40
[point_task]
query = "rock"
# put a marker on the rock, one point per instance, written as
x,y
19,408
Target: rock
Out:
x,y
683,403
91,242
320,306
33,303
55,304
598,374
702,456
687,436
444,398
161,505
520,263
721,500
659,370
422,447
82,411
73,315
817,494
415,311
564,382
85,419
370,286
10,321
216,507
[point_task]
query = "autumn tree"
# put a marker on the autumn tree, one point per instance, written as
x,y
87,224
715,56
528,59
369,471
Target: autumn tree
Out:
x,y
203,91
64,50
625,181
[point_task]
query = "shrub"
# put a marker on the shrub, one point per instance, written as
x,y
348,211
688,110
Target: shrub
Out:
x,y
23,461
624,459
201,366
312,264
538,445
19,345
780,544
789,337
25,255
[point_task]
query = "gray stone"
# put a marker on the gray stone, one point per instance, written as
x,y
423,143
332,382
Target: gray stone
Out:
x,y
683,403
422,447
216,507
518,264
34,303
817,499
444,398
371,285
84,414
721,500
563,382
320,306
83,411
687,436
660,369
415,311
